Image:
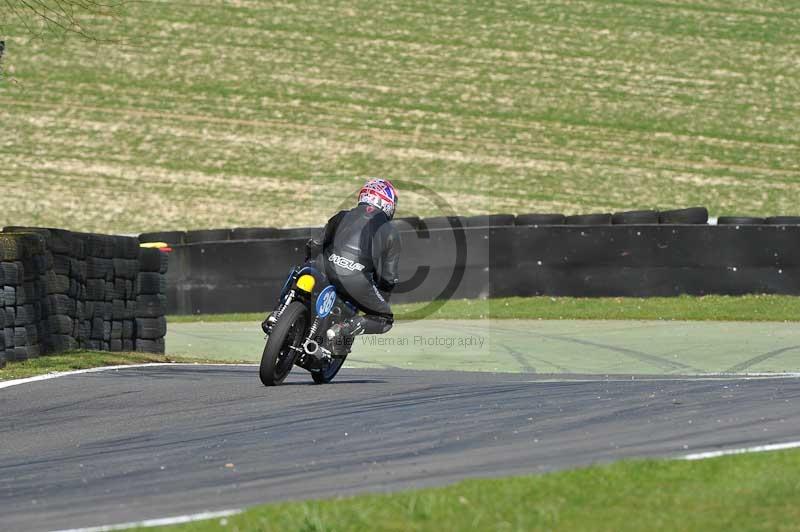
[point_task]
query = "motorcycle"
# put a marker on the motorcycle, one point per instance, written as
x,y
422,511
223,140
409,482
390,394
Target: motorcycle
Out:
x,y
309,306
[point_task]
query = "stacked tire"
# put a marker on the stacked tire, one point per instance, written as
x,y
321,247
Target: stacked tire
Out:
x,y
99,300
23,264
151,301
65,288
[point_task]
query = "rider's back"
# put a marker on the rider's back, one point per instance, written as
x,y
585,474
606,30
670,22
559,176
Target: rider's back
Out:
x,y
362,241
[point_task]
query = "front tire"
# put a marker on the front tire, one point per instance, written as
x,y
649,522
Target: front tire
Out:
x,y
279,353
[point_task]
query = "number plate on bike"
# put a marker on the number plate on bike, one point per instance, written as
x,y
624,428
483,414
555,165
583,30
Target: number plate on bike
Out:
x,y
325,301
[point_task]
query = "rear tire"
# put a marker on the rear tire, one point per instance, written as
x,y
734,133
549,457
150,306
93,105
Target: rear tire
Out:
x,y
278,357
326,375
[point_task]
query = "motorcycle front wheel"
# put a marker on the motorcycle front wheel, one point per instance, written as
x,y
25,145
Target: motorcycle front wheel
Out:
x,y
286,338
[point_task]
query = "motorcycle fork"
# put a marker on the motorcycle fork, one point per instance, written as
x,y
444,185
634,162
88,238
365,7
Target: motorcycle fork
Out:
x,y
272,319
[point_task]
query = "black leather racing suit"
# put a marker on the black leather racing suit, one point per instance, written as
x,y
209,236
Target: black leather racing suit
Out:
x,y
359,251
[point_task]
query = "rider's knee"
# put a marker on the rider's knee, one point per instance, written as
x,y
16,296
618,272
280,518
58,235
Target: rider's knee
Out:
x,y
378,323
388,323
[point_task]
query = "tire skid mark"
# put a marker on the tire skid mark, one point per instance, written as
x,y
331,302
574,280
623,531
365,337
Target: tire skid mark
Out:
x,y
657,361
522,360
760,358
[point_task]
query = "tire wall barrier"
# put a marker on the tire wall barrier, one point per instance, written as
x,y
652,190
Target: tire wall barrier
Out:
x,y
63,290
514,260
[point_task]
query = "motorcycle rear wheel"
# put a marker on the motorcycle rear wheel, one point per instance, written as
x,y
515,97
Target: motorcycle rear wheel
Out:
x,y
287,336
330,370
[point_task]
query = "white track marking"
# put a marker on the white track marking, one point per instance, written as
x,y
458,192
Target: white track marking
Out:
x,y
158,522
748,450
699,377
227,513
17,382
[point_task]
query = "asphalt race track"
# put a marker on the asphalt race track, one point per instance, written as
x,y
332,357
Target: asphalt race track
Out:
x,y
139,443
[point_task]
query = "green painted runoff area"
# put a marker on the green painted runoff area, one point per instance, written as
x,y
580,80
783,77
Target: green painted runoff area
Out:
x,y
535,346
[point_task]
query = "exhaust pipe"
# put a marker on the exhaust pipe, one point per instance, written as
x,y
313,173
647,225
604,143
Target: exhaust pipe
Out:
x,y
311,347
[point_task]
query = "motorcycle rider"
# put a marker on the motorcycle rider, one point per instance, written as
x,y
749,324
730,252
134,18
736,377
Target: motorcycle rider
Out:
x,y
359,251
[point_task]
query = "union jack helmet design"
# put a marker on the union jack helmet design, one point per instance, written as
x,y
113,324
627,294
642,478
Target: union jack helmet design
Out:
x,y
381,194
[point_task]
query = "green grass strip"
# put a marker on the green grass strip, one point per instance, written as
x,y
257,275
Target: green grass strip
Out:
x,y
745,492
706,308
75,360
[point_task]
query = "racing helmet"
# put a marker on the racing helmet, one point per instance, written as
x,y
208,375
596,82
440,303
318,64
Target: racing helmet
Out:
x,y
381,194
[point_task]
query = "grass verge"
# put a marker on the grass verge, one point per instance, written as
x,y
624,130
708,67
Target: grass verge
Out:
x,y
745,492
75,360
707,308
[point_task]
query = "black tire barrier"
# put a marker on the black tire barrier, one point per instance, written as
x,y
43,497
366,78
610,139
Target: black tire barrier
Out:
x,y
151,328
57,343
32,332
168,237
9,296
26,352
149,346
588,219
97,329
62,264
12,273
540,219
690,216
444,222
96,289
24,315
299,232
9,249
635,218
99,268
254,233
153,260
128,330
109,291
99,247
118,309
20,336
8,335
116,331
151,306
559,260
408,223
740,220
150,283
21,293
61,290
60,325
125,268
490,220
125,248
207,235
783,220
57,284
119,289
